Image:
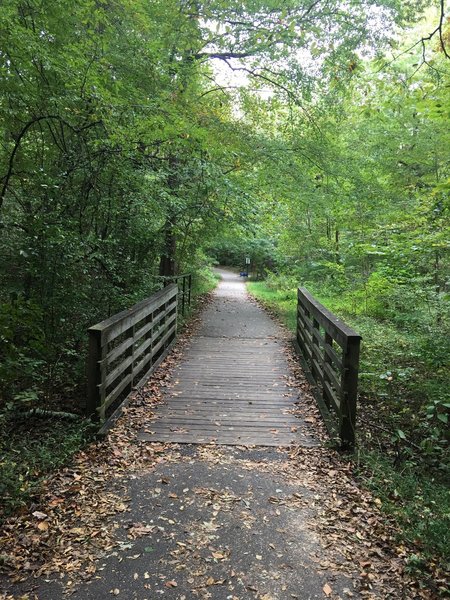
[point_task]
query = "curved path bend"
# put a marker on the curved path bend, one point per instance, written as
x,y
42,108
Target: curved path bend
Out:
x,y
231,386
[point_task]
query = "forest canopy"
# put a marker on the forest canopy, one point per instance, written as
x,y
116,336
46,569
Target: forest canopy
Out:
x,y
142,139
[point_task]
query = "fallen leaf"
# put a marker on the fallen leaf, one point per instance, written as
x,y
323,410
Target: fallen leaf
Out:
x,y
39,515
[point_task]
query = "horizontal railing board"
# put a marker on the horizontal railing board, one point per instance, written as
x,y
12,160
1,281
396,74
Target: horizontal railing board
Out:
x,y
331,374
146,328
130,321
143,347
161,342
148,342
335,326
115,373
147,331
115,393
118,350
155,365
332,396
139,366
143,304
331,352
118,324
335,370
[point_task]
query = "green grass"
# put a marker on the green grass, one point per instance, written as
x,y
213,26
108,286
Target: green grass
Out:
x,y
282,302
409,484
205,280
419,503
29,450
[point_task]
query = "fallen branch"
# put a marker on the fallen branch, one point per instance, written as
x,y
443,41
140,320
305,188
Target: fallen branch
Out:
x,y
57,414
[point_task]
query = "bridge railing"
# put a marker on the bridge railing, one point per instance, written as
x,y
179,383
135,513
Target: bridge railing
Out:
x,y
126,348
331,350
184,283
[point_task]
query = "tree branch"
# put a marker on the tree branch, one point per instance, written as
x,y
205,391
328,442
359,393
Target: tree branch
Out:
x,y
223,55
280,86
6,178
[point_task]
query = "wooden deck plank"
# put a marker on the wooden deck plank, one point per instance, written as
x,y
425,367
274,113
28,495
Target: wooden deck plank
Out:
x,y
265,416
231,385
241,424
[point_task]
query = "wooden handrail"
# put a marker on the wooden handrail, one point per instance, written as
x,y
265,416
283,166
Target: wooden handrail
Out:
x,y
331,350
127,347
184,290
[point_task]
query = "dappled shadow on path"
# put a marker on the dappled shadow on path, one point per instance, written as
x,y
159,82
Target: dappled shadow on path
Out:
x,y
139,520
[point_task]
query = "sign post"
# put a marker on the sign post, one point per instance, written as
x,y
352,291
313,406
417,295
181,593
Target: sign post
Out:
x,y
247,265
244,273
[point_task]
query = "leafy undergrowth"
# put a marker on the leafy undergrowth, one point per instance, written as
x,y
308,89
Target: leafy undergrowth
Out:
x,y
30,448
205,281
77,518
282,302
418,503
398,460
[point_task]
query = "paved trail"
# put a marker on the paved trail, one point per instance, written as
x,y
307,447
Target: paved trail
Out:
x,y
206,520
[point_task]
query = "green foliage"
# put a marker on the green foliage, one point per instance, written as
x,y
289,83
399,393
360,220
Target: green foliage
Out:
x,y
22,351
120,156
30,449
124,156
205,281
410,476
418,503
107,146
233,251
278,299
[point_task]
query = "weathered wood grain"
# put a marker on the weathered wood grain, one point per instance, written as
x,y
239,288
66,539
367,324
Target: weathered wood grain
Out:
x,y
331,350
231,386
124,348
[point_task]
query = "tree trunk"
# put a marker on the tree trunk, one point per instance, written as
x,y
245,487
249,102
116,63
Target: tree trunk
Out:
x,y
167,265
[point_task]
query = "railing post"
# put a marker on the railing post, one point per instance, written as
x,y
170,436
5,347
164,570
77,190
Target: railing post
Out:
x,y
347,425
130,352
189,289
183,300
94,374
176,319
315,348
327,360
299,340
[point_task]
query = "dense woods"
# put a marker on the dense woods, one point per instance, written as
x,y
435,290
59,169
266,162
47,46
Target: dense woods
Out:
x,y
141,139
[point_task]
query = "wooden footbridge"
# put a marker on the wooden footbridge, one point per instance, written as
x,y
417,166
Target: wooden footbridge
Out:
x,y
231,386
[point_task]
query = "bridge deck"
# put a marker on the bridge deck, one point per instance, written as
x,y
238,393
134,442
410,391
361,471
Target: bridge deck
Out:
x,y
231,385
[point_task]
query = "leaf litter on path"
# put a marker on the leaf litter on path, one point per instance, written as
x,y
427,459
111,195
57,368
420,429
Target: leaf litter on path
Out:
x,y
78,516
